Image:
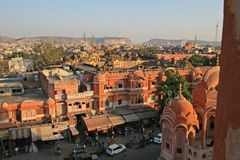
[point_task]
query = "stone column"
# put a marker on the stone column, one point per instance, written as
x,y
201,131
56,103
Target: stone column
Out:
x,y
227,132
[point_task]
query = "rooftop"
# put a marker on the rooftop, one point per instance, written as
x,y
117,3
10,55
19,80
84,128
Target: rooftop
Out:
x,y
29,94
58,74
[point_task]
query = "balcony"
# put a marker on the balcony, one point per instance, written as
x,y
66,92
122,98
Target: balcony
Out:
x,y
80,95
60,97
137,89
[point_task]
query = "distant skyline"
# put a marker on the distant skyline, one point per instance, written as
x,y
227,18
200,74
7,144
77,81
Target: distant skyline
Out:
x,y
138,20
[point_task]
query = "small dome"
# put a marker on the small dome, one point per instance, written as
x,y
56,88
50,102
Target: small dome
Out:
x,y
182,110
205,94
130,76
196,74
139,74
181,105
211,78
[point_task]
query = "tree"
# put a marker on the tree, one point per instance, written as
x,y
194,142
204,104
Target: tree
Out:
x,y
169,89
50,54
148,52
198,60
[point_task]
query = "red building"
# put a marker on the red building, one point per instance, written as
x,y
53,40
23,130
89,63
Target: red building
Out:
x,y
126,88
65,89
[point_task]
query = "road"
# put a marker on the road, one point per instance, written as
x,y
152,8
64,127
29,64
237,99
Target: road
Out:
x,y
150,152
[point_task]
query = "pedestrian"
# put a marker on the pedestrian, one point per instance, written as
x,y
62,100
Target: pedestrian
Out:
x,y
103,143
143,130
90,142
124,156
126,130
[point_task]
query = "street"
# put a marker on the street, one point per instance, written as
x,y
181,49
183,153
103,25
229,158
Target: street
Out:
x,y
150,152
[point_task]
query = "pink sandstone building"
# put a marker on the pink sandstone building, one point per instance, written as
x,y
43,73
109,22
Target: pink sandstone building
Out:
x,y
188,129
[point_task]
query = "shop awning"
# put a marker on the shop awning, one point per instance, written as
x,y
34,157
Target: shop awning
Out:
x,y
74,131
116,120
53,137
44,133
19,133
122,111
131,118
100,122
147,115
6,125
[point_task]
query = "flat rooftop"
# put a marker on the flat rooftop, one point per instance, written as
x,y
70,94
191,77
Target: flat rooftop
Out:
x,y
29,94
58,75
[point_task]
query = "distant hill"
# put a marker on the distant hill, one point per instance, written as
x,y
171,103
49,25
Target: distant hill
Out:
x,y
6,39
179,42
63,40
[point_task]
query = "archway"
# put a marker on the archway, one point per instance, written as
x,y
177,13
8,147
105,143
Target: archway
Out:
x,y
191,139
180,145
199,131
210,128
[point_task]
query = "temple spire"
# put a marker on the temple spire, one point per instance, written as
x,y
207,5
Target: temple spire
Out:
x,y
180,96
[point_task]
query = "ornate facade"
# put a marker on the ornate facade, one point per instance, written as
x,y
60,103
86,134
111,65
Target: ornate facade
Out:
x,y
188,128
126,88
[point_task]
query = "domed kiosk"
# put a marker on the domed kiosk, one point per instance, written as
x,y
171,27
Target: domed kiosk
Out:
x,y
179,123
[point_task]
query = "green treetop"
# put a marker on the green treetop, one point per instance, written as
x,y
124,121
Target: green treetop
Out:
x,y
170,88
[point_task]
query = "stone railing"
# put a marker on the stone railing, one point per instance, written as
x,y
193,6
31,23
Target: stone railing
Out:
x,y
80,95
128,71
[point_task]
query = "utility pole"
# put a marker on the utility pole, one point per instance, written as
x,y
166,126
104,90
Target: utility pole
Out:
x,y
216,35
93,40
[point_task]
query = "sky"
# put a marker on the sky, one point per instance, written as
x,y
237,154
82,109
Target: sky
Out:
x,y
138,20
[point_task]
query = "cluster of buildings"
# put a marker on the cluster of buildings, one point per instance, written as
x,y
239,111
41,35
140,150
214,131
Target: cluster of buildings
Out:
x,y
59,97
103,87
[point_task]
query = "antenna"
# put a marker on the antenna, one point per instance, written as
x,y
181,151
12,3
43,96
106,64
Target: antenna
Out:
x,y
216,35
195,41
84,37
93,40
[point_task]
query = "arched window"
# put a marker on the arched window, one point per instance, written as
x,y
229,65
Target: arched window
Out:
x,y
78,105
180,143
210,126
191,138
195,154
107,103
167,139
204,156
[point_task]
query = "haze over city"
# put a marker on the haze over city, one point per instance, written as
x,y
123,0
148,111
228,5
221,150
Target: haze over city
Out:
x,y
138,20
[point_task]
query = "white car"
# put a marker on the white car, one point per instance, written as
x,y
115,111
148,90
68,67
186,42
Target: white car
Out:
x,y
158,138
115,149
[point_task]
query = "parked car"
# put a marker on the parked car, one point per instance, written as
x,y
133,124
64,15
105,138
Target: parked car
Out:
x,y
158,139
115,149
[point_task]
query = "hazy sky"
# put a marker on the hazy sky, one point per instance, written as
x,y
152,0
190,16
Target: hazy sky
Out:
x,y
139,20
